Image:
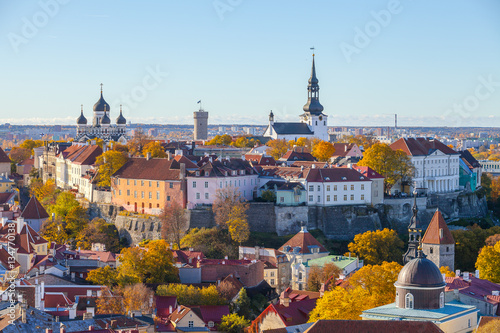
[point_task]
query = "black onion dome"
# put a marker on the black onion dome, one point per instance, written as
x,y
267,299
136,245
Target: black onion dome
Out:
x,y
420,272
81,120
101,105
121,119
105,119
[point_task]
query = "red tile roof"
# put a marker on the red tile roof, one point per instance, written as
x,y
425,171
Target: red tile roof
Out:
x,y
209,313
104,256
260,159
163,304
372,326
437,232
310,164
304,240
421,146
368,172
341,149
56,299
328,175
295,313
152,169
34,210
6,196
3,157
296,156
85,155
475,288
6,260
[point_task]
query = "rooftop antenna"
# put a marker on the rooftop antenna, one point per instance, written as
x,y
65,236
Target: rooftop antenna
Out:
x,y
199,102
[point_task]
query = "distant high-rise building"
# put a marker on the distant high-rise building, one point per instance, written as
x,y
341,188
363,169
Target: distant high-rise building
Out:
x,y
200,124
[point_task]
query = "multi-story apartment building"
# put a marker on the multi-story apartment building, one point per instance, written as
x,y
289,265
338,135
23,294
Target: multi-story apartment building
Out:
x,y
337,186
213,175
147,185
73,163
436,165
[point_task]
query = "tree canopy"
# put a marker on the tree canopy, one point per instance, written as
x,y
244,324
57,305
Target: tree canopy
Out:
x,y
108,163
394,165
213,242
190,295
375,247
155,149
488,263
173,223
277,148
233,323
322,150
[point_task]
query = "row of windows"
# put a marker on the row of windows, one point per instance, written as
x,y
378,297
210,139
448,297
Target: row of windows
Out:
x,y
335,197
409,302
207,195
150,194
230,183
329,187
150,183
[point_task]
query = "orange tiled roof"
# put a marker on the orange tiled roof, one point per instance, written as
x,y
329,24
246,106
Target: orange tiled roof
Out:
x,y
434,235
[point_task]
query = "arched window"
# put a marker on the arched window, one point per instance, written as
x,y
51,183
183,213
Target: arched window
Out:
x,y
441,300
409,301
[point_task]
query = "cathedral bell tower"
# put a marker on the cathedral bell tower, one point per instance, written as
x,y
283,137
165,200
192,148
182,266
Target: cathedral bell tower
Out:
x,y
313,114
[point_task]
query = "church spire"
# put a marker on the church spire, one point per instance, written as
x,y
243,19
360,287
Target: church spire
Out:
x,y
414,233
313,105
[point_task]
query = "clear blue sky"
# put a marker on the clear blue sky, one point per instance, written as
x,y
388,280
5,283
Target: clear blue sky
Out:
x,y
243,58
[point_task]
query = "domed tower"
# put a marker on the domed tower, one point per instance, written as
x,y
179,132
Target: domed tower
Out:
x,y
100,109
105,120
81,122
313,114
420,285
121,122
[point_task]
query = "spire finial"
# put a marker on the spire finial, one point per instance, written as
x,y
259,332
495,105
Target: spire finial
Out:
x,y
312,48
81,107
120,109
101,88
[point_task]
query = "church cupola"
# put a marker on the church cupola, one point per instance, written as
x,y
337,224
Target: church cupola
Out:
x,y
81,120
313,106
101,104
271,117
121,119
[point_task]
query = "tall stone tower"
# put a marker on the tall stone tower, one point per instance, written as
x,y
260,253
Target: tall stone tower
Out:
x,y
415,234
200,124
438,243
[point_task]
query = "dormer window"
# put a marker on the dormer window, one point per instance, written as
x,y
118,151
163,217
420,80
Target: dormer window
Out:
x,y
197,173
233,172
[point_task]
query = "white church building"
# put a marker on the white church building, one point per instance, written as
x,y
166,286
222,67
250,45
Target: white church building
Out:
x,y
313,122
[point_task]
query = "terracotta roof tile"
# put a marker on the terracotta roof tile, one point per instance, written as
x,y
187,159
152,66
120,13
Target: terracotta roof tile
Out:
x,y
372,326
335,175
296,156
421,146
304,240
3,157
6,196
437,232
34,210
152,169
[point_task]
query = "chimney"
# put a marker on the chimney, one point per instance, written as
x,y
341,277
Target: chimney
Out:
x,y
477,274
91,328
20,224
89,292
457,273
257,252
48,330
42,289
466,276
226,257
169,156
148,156
4,221
72,276
170,309
444,277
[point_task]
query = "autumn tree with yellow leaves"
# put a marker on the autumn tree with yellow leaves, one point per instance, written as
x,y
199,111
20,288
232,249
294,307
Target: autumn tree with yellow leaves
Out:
x,y
155,149
318,275
108,163
322,150
488,263
394,165
369,287
277,148
375,247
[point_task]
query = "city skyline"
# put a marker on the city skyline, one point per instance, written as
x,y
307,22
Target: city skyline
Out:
x,y
434,64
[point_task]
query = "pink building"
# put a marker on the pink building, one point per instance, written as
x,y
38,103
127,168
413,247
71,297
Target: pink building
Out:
x,y
213,175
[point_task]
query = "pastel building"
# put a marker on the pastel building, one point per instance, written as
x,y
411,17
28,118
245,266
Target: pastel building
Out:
x,y
217,175
436,165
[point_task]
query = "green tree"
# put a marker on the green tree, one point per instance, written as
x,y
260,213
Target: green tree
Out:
x,y
233,323
268,196
375,247
488,263
191,295
243,304
65,203
76,220
108,163
468,244
213,242
99,231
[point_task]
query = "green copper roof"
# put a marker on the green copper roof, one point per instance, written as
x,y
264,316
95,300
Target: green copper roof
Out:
x,y
339,261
